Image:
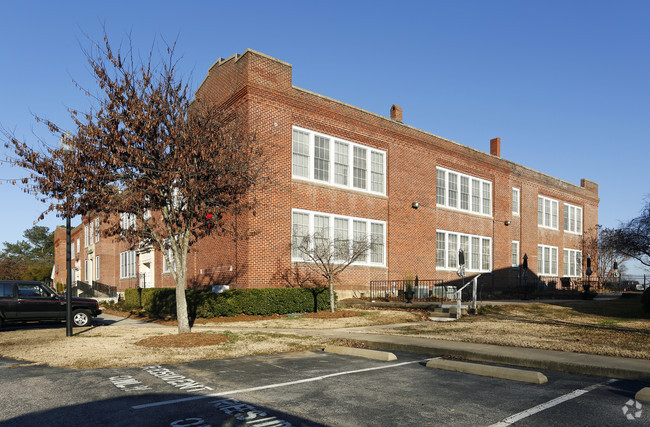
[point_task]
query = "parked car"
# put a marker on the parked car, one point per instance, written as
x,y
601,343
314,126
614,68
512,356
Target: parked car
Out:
x,y
633,285
22,300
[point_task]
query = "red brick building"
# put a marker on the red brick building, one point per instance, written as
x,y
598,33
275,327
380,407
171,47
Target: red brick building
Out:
x,y
348,172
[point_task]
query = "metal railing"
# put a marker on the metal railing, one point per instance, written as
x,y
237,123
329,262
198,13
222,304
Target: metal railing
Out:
x,y
423,289
459,296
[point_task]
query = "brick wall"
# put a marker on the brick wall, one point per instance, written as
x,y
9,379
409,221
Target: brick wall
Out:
x,y
260,87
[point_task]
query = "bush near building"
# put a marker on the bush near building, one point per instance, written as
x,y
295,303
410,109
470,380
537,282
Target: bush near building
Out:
x,y
161,302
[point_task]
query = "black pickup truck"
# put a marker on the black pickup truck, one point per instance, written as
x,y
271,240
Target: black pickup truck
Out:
x,y
26,301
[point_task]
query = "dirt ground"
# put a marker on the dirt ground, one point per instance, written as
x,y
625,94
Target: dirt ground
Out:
x,y
115,346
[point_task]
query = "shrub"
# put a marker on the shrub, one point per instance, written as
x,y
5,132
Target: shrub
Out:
x,y
132,298
161,302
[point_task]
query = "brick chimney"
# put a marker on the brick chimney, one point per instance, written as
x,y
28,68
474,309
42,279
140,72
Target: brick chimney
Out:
x,y
396,113
495,147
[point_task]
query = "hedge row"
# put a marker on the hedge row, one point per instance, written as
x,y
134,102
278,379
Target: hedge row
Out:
x,y
161,302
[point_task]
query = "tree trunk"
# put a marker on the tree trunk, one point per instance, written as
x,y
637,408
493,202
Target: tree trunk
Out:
x,y
331,283
181,306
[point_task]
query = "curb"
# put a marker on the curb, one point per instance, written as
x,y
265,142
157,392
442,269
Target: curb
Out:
x,y
575,365
643,395
488,371
360,352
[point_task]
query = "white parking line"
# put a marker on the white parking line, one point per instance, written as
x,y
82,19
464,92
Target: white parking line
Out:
x,y
551,403
266,387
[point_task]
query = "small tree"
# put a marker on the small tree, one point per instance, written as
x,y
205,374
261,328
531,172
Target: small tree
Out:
x,y
329,257
597,241
632,239
173,168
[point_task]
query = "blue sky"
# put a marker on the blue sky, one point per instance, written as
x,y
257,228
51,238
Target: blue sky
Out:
x,y
566,85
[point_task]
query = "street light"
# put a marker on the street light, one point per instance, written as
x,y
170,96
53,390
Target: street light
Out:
x,y
67,150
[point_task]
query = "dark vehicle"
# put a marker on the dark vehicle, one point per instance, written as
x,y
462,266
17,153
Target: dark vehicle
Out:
x,y
25,300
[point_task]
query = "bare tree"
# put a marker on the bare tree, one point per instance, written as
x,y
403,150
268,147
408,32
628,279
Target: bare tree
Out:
x,y
173,167
599,242
632,239
329,257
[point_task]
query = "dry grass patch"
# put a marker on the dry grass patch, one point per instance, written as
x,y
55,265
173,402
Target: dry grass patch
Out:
x,y
104,347
544,326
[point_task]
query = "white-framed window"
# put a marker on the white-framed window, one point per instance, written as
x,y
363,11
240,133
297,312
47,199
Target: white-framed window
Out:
x,y
463,192
91,233
87,272
127,220
86,238
516,198
546,260
572,263
572,219
338,231
127,264
547,211
72,250
515,253
78,245
96,229
323,158
170,255
97,267
478,251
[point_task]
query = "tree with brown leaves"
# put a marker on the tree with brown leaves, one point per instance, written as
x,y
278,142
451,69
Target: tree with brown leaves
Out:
x,y
147,151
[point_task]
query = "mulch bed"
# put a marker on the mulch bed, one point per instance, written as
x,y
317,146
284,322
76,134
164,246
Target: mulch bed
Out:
x,y
183,340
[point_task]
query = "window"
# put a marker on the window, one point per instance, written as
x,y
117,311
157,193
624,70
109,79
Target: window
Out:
x,y
86,238
464,193
339,233
321,158
458,191
572,263
300,153
547,212
377,172
78,245
546,260
341,239
452,187
487,198
127,220
96,230
299,232
441,187
332,160
572,219
515,201
377,243
359,169
97,267
87,267
72,251
515,253
127,264
6,290
322,233
360,234
478,254
170,255
341,162
441,247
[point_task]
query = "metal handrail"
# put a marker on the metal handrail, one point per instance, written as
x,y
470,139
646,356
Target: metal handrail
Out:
x,y
459,296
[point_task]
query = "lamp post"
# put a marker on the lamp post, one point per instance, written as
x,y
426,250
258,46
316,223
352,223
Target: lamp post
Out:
x,y
67,149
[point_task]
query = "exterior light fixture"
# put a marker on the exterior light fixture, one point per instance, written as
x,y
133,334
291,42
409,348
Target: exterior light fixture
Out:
x,y
507,222
415,205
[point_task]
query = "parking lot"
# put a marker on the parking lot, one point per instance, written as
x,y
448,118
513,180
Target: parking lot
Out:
x,y
307,388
